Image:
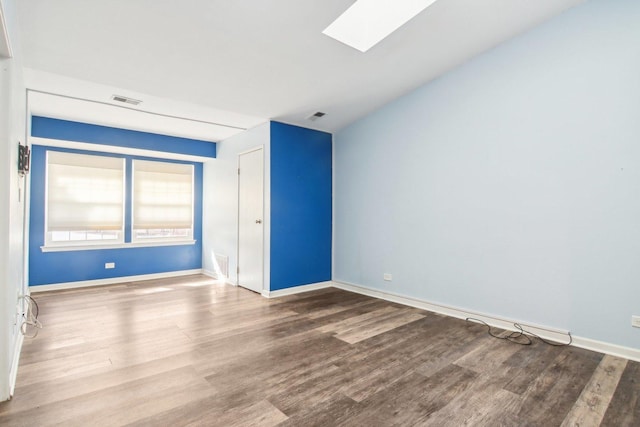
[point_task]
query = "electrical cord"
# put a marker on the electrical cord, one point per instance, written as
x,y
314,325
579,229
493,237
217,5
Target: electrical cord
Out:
x,y
521,336
30,318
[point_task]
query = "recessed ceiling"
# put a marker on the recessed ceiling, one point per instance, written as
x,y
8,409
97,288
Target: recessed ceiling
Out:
x,y
265,59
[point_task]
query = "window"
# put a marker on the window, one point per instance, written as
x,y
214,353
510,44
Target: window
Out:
x,y
84,199
162,201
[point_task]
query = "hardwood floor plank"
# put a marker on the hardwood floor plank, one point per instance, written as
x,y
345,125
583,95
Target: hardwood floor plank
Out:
x,y
552,395
70,386
261,413
378,366
624,408
489,356
454,339
103,406
58,368
414,398
336,411
295,399
358,321
526,365
478,406
382,325
590,407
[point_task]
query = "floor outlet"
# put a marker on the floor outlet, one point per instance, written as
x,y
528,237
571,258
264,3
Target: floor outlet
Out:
x,y
387,276
635,321
109,265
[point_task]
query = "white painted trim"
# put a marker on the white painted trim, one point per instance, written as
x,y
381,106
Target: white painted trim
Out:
x,y
545,332
112,280
87,146
296,289
13,374
117,246
209,273
607,348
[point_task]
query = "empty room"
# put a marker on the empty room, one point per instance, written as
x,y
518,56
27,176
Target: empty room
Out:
x,y
320,213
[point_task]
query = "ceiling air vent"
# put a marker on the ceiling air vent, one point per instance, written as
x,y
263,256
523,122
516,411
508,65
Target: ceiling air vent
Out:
x,y
126,100
315,116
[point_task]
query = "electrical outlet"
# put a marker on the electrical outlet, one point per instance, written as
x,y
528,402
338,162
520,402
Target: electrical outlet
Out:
x,y
635,321
109,265
387,277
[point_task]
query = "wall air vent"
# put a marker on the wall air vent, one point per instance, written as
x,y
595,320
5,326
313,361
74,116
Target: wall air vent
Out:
x,y
317,115
126,100
221,266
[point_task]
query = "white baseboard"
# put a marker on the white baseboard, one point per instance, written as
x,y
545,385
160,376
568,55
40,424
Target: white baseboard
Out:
x,y
296,289
545,332
13,374
607,348
113,280
210,273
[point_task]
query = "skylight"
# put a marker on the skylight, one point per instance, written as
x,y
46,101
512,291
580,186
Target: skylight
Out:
x,y
367,22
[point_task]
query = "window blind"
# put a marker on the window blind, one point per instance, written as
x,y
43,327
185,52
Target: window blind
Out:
x,y
84,192
162,195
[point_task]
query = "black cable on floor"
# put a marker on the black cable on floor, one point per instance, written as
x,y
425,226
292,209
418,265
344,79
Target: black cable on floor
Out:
x,y
521,336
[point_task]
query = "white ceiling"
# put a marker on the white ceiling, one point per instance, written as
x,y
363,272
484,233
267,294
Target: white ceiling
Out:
x,y
246,61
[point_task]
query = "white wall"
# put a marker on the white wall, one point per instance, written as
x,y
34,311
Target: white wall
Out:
x,y
12,130
220,216
511,185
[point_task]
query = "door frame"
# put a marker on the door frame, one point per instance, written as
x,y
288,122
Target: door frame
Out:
x,y
258,148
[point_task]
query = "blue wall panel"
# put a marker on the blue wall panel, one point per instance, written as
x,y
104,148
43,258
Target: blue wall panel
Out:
x,y
300,206
70,266
65,130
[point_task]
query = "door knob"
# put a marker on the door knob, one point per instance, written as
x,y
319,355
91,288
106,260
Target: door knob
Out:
x,y
258,221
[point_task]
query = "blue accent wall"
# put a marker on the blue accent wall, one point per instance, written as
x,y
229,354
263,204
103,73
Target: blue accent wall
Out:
x,y
65,130
300,206
70,266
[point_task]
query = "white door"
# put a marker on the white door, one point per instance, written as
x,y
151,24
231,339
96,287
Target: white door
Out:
x,y
250,214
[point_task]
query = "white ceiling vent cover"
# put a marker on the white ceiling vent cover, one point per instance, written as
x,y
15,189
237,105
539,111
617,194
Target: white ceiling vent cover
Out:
x,y
125,99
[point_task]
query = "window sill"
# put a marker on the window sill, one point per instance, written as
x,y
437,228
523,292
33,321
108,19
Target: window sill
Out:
x,y
116,246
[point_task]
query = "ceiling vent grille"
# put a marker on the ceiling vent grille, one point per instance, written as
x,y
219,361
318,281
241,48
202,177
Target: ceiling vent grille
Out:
x,y
317,115
125,99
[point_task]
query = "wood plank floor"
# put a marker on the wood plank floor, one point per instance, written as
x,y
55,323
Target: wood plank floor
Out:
x,y
192,351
